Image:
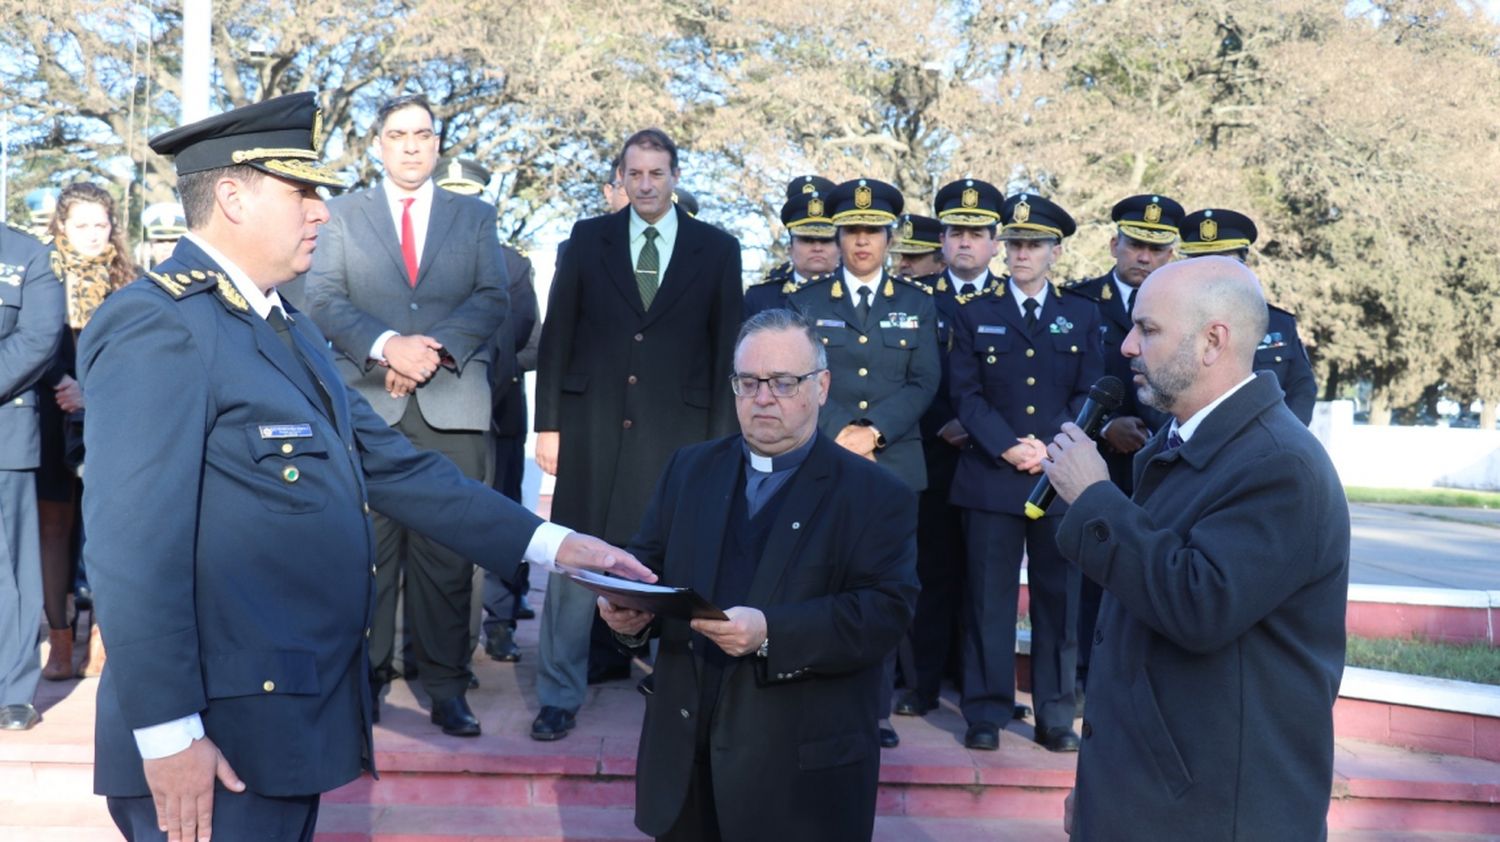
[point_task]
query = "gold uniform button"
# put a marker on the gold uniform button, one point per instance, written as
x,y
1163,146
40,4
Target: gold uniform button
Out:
x,y
286,448
903,343
1278,359
1030,410
367,508
864,404
19,401
991,349
290,473
863,372
862,340
1030,352
269,686
1031,381
1073,349
990,359
825,340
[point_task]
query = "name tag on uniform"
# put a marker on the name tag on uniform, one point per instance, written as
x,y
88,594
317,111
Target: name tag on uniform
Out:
x,y
830,323
998,330
286,431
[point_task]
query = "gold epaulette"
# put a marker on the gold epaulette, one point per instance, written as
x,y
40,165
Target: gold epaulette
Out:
x,y
995,288
179,285
913,282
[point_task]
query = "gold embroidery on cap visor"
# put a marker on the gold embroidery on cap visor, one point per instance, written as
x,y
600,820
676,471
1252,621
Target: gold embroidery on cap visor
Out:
x,y
1148,233
317,132
303,171
976,218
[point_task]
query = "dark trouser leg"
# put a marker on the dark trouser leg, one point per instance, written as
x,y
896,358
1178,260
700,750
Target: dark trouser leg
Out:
x,y
439,582
20,588
940,569
390,552
501,598
1053,584
238,817
995,543
699,820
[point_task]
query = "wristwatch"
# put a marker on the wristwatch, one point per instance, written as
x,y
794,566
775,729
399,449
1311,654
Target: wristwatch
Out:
x,y
765,649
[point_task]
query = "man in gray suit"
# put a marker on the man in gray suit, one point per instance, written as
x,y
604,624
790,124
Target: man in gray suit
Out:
x,y
409,285
1220,641
31,319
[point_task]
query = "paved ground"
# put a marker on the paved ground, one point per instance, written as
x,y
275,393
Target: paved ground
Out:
x,y
1425,546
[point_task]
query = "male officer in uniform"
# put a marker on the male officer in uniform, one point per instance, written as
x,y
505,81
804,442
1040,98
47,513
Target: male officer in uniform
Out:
x,y
812,249
918,247
1146,230
880,332
1025,353
163,225
230,542
410,286
503,600
968,216
31,319
1220,231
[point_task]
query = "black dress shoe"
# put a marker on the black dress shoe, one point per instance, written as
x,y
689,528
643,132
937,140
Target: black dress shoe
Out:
x,y
552,724
473,681
889,738
524,611
983,736
1022,711
455,718
1058,739
502,646
911,705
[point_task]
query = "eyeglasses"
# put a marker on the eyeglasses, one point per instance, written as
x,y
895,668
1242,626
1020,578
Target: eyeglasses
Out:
x,y
782,385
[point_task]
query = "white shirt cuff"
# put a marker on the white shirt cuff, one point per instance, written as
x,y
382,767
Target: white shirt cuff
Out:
x,y
377,350
545,542
168,738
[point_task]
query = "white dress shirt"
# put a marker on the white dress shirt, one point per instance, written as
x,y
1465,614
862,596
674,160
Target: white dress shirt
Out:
x,y
853,284
421,212
168,738
1125,290
1185,431
1041,298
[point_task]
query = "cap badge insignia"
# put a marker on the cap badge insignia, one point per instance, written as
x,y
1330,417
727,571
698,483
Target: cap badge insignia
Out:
x,y
317,131
863,197
455,171
1208,230
815,206
809,187
1021,212
1153,213
907,230
971,198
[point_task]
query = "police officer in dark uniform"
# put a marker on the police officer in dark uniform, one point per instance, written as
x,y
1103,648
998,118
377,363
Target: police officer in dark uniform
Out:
x,y
1146,231
812,249
231,545
31,320
968,216
918,247
880,332
1025,352
1220,231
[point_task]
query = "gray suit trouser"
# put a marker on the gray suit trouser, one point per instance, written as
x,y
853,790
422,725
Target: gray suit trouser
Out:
x,y
20,588
567,617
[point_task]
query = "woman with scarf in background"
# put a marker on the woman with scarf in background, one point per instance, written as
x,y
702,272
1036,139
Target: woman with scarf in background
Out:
x,y
90,259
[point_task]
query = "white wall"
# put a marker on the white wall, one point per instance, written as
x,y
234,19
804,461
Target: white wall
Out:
x,y
1407,457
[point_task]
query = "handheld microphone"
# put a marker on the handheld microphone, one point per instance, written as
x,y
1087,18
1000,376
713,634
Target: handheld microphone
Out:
x,y
1105,396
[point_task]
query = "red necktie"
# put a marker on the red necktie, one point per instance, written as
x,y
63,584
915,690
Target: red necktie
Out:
x,y
408,242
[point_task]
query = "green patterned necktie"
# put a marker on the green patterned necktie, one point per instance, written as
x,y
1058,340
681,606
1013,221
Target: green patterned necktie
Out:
x,y
646,268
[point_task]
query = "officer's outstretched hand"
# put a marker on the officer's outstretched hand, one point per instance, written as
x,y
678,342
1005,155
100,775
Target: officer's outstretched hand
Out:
x,y
586,552
182,785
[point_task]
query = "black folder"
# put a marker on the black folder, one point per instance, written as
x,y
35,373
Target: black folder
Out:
x,y
661,600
